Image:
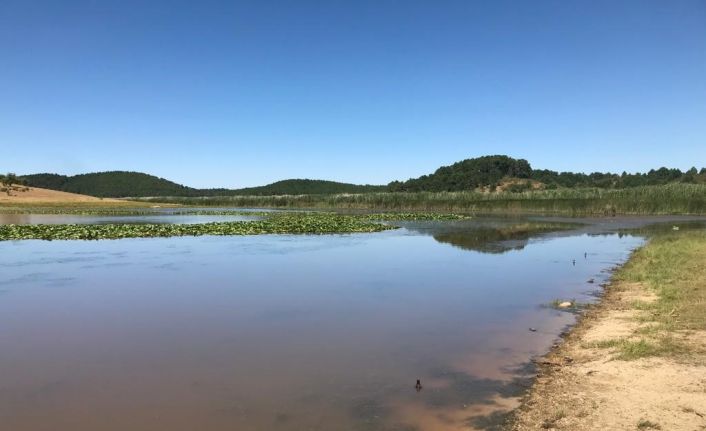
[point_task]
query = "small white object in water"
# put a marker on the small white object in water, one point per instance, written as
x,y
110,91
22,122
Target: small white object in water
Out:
x,y
565,304
675,227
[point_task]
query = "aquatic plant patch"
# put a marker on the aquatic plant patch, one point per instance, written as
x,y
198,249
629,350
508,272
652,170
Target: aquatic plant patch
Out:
x,y
118,211
285,224
412,216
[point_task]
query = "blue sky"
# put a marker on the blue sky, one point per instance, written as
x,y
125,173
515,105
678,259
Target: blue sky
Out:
x,y
242,93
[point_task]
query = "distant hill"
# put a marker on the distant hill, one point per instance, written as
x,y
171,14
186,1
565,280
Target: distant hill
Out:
x,y
496,172
116,184
467,174
120,184
307,187
488,173
39,196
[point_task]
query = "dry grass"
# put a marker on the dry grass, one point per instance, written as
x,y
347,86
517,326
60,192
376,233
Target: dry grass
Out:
x,y
20,196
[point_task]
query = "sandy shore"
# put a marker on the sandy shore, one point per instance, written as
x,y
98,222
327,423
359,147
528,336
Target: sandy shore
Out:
x,y
585,383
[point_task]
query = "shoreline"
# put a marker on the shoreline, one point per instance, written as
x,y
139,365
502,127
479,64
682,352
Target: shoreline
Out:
x,y
626,364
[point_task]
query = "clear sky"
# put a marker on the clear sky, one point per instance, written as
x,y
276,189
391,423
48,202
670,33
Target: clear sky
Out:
x,y
242,93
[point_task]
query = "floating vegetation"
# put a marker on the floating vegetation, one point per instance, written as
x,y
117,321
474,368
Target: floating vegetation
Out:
x,y
280,224
412,216
122,211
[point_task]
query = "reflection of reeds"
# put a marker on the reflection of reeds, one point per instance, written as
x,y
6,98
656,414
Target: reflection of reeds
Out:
x,y
665,199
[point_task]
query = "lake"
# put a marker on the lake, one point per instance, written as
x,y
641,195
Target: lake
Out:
x,y
287,332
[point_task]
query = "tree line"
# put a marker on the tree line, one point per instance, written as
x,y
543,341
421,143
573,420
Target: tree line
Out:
x,y
490,171
471,174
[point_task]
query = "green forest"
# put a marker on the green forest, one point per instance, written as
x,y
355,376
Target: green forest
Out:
x,y
486,172
120,184
490,171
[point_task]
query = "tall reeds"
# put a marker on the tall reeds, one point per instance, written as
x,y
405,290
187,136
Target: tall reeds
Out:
x,y
677,198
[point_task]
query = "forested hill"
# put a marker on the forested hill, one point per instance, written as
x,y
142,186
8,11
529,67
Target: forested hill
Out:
x,y
488,173
307,187
468,174
135,184
116,184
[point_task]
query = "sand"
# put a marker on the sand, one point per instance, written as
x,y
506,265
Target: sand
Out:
x,y
583,387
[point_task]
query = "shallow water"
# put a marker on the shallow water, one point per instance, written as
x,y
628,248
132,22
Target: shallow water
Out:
x,y
156,218
284,332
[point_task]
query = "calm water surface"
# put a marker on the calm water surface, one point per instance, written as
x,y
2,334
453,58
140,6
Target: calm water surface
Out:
x,y
118,219
283,332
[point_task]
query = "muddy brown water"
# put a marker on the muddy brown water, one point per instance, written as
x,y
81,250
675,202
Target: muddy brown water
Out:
x,y
284,332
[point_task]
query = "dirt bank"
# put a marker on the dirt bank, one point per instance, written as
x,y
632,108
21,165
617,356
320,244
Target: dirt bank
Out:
x,y
637,360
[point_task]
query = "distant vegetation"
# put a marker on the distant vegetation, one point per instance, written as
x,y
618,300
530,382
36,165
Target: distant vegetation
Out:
x,y
11,183
8,180
676,198
490,184
120,184
490,172
306,187
468,174
115,184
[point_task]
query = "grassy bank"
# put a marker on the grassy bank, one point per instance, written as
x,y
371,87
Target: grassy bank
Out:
x,y
666,199
672,267
636,360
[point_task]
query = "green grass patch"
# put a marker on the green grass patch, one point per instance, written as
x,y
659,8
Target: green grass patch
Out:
x,y
672,265
629,349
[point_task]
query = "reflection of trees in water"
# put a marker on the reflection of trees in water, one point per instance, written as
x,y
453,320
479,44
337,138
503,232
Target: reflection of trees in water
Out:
x,y
495,239
482,240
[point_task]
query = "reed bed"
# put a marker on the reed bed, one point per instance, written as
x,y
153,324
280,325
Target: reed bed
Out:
x,y
677,198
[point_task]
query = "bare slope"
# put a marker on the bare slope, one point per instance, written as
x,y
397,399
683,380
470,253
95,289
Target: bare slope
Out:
x,y
34,195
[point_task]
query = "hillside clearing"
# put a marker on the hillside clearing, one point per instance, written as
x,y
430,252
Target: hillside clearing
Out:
x,y
21,195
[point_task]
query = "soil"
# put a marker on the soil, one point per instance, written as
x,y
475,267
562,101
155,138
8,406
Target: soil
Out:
x,y
584,387
34,195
